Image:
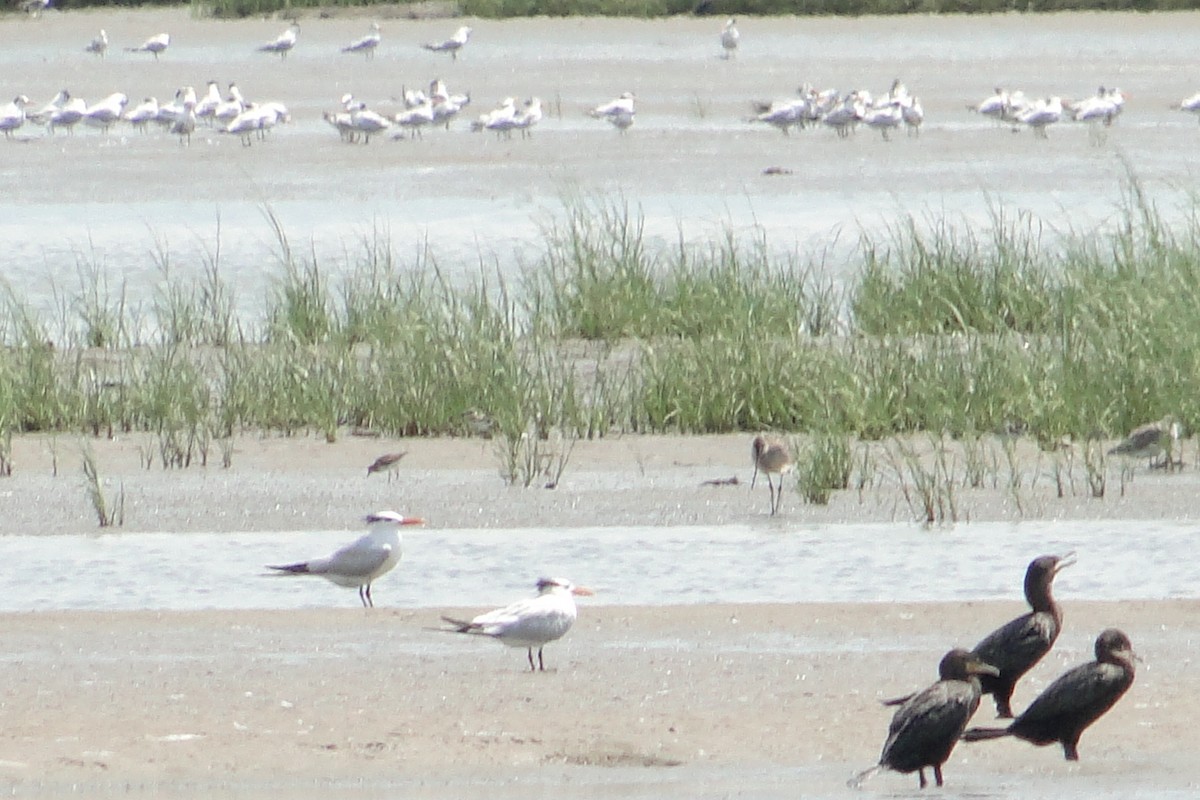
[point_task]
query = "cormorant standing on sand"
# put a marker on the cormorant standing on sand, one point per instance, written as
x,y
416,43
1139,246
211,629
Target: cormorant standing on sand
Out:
x,y
925,729
1078,698
1016,646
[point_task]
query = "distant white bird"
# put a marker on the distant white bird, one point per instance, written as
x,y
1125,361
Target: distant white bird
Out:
x,y
185,125
230,107
366,44
207,106
361,562
283,43
914,116
12,115
99,44
367,122
784,114
1041,115
1103,107
446,105
529,116
156,44
730,39
619,113
42,115
68,116
884,118
1191,105
415,118
142,114
530,623
105,113
844,117
499,118
452,45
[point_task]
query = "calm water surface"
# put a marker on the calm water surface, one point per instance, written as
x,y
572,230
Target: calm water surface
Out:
x,y
642,566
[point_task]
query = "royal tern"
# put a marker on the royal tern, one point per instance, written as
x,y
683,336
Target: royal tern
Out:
x,y
1150,441
530,623
771,456
730,39
845,116
926,727
103,114
367,122
366,44
499,118
784,114
415,118
283,43
42,115
185,125
228,109
156,44
529,116
362,561
142,114
12,115
884,118
452,45
68,116
619,112
1041,115
206,106
99,44
387,463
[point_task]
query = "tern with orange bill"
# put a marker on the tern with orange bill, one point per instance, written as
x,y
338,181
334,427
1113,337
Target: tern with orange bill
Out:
x,y
359,563
530,623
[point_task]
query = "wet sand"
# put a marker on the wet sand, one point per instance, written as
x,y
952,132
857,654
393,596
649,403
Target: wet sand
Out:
x,y
758,700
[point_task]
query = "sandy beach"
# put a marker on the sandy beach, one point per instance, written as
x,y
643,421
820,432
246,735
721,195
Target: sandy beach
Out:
x,y
754,700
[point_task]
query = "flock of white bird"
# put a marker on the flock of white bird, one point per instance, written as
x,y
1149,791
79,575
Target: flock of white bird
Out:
x,y
233,114
230,113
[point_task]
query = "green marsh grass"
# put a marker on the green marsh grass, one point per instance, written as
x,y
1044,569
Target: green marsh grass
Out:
x,y
940,330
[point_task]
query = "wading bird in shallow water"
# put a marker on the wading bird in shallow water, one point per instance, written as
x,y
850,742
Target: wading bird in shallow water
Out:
x,y
926,727
530,623
1016,646
771,456
1150,441
1078,698
361,562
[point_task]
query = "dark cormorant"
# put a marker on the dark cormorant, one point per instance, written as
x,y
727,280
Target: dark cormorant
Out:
x,y
925,729
1073,702
1015,647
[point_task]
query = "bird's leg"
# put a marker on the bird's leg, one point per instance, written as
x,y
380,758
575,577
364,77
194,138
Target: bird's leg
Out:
x,y
771,493
921,777
541,664
937,773
1070,749
529,652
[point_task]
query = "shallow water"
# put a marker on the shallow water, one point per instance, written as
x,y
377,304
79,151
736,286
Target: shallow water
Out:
x,y
627,566
690,163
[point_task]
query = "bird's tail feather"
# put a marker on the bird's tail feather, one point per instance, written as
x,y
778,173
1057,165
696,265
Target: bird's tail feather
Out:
x,y
290,569
460,625
858,780
980,734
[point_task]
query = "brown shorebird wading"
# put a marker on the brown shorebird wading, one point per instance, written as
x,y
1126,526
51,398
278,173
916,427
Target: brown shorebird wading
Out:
x,y
387,461
771,456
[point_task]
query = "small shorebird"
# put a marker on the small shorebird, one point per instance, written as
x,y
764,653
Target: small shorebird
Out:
x,y
1150,441
359,563
530,623
156,44
730,38
452,45
771,455
387,461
